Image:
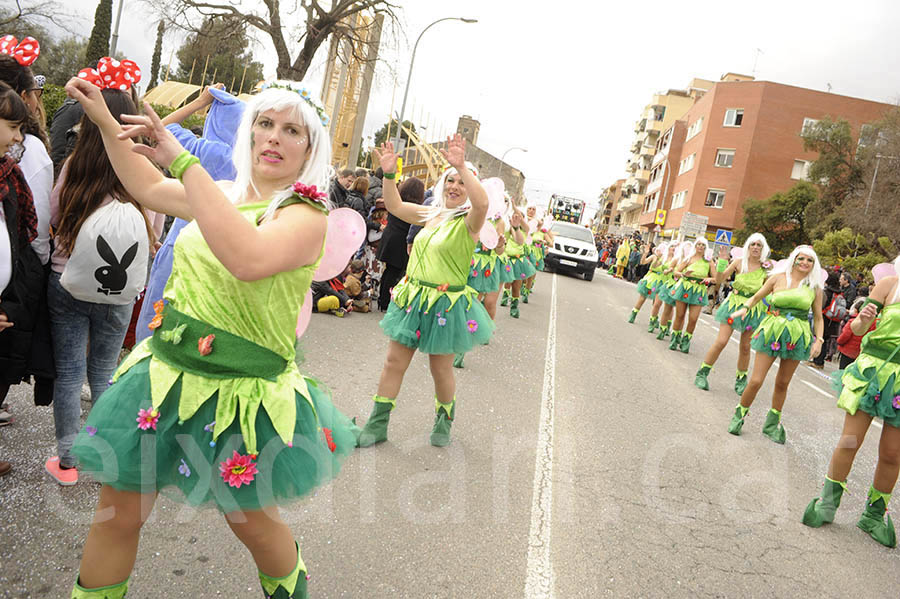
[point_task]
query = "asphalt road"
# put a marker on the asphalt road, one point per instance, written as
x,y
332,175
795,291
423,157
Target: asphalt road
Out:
x,y
584,463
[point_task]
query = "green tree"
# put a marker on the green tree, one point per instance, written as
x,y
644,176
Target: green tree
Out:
x,y
60,59
381,134
224,41
98,44
157,55
855,252
781,218
52,98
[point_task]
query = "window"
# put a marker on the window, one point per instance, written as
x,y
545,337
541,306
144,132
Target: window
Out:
x,y
800,170
654,174
733,117
725,158
678,199
651,205
694,129
715,198
686,164
808,124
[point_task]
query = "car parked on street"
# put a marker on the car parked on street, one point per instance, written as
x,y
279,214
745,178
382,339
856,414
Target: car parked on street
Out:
x,y
573,250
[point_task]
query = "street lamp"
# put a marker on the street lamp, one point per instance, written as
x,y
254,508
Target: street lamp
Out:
x,y
500,168
409,77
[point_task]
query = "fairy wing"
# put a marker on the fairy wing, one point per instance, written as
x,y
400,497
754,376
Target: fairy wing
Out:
x,y
885,269
496,192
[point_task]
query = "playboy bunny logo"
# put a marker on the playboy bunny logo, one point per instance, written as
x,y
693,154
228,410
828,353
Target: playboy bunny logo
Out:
x,y
113,277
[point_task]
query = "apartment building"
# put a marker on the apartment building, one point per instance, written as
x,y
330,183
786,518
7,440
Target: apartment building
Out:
x,y
658,116
608,216
740,140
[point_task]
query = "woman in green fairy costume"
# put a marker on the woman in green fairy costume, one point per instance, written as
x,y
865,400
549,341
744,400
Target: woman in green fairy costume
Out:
x,y
660,291
648,283
783,334
750,275
689,294
211,408
518,264
869,388
433,309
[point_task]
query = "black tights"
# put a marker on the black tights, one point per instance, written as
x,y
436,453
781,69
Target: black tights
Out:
x,y
390,277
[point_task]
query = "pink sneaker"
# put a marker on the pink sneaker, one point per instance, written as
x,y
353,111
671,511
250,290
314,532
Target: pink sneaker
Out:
x,y
66,478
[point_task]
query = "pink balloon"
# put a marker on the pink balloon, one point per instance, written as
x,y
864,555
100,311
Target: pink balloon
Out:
x,y
737,253
496,192
346,232
305,314
885,269
488,235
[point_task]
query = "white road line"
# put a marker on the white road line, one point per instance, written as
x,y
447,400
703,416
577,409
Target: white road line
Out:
x,y
539,578
811,386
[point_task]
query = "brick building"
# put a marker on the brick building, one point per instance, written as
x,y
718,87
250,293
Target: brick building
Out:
x,y
739,141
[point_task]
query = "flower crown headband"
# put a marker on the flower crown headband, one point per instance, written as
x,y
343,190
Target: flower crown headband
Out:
x,y
112,74
25,52
304,93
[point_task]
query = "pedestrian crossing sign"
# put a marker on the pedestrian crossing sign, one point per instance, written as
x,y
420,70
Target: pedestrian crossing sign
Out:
x,y
723,237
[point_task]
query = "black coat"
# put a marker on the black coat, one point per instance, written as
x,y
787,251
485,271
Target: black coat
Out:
x,y
356,201
392,249
25,348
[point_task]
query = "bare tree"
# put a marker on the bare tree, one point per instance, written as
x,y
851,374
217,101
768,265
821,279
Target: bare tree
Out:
x,y
336,18
37,12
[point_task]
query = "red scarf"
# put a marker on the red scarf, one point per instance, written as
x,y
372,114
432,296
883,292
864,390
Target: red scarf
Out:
x,y
26,217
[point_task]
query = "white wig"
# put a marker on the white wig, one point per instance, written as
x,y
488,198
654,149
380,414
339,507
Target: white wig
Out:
x,y
316,169
814,278
660,250
438,208
764,255
694,244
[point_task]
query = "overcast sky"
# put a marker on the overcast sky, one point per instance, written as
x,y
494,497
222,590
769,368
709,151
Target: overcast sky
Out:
x,y
567,79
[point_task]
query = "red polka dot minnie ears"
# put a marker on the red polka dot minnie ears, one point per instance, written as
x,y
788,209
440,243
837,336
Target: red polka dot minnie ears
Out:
x,y
25,52
112,74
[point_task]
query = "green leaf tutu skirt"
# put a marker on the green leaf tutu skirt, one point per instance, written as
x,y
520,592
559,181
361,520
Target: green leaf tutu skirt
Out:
x,y
435,322
484,276
663,292
734,302
522,268
505,269
647,285
183,461
689,292
784,334
870,384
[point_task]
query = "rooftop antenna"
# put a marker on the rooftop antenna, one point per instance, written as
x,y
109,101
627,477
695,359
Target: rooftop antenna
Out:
x,y
756,60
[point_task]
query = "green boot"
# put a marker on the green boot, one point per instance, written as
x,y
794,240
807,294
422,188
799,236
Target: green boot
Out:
x,y
737,421
525,293
872,519
443,418
700,378
822,512
504,301
113,591
292,586
375,430
654,322
663,331
514,308
685,346
634,314
773,428
676,339
740,382
458,360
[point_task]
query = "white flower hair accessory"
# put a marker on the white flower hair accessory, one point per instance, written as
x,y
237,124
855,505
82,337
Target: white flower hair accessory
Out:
x,y
304,93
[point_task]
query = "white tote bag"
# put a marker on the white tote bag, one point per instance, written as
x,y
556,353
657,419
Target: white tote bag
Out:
x,y
109,262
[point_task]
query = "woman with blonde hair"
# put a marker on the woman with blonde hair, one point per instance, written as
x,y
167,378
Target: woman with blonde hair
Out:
x,y
689,293
783,334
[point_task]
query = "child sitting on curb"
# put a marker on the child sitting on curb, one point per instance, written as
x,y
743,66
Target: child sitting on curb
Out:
x,y
355,288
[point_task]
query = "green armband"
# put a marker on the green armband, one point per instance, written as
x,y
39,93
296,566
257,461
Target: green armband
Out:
x,y
721,265
868,301
389,175
182,163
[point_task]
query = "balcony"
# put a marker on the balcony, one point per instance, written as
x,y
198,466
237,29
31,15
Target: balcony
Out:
x,y
656,126
632,202
642,174
635,145
646,150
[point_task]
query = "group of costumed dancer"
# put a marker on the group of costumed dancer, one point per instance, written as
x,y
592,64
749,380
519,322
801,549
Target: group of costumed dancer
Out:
x,y
769,307
211,407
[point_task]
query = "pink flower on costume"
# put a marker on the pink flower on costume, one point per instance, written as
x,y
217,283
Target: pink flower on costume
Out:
x,y
508,268
418,334
329,439
775,346
472,326
238,470
147,419
896,402
791,346
309,191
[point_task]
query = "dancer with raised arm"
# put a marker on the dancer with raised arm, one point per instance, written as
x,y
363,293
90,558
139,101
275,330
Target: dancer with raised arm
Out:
x,y
212,404
689,293
783,334
433,309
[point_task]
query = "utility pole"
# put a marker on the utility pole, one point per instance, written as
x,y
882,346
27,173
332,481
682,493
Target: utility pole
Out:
x,y
115,35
